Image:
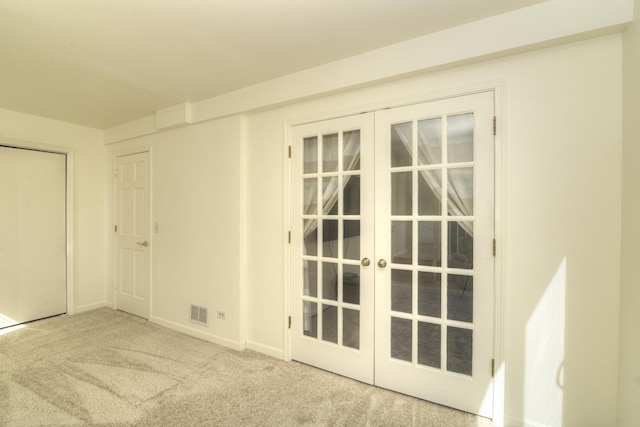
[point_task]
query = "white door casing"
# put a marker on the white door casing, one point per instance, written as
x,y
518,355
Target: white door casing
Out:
x,y
432,296
132,263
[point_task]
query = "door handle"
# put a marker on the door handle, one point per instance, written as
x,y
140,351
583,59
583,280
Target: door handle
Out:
x,y
382,263
365,262
145,243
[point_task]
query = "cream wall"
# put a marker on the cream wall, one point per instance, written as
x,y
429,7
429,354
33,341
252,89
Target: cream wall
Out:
x,y
629,377
559,119
196,201
85,149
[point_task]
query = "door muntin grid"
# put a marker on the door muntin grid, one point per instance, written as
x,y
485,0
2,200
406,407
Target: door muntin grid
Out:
x,y
431,227
331,221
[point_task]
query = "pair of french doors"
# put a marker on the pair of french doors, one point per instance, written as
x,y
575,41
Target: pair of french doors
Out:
x,y
392,227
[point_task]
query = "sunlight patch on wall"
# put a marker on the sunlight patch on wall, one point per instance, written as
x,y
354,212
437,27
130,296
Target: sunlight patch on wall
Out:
x,y
544,355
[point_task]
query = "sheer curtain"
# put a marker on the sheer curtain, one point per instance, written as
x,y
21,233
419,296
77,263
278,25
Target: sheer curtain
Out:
x,y
459,183
330,194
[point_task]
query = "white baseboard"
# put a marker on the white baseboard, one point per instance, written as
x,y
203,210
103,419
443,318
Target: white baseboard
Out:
x,y
89,307
519,422
265,349
225,342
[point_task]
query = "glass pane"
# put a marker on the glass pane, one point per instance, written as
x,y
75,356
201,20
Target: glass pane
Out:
x,y
351,243
330,153
330,323
351,150
351,328
330,238
310,196
311,237
460,245
460,298
310,285
429,299
330,281
310,319
401,290
401,247
351,197
310,147
351,284
401,339
401,191
430,141
429,238
429,336
459,350
460,138
460,193
401,145
429,192
330,195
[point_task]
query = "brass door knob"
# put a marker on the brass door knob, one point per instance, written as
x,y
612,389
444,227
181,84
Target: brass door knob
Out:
x,y
365,262
145,243
382,263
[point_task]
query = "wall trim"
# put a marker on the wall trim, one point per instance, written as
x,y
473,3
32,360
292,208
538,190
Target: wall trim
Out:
x,y
234,345
266,349
94,306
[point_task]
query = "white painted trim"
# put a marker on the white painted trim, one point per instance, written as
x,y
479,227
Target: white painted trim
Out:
x,y
243,312
234,345
500,262
286,131
94,306
266,349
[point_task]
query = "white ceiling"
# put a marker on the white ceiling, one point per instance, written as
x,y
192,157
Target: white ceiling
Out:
x,y
100,63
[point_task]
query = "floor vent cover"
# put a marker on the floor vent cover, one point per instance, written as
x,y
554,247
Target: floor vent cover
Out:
x,y
199,315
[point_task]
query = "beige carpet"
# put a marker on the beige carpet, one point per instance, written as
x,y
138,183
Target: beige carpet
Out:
x,y
106,367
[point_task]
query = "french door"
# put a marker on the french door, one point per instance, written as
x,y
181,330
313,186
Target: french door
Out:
x,y
392,237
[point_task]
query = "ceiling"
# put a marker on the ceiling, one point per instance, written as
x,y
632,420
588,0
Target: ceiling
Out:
x,y
100,63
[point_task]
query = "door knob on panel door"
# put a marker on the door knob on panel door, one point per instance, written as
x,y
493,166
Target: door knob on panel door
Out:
x,y
365,262
382,263
145,243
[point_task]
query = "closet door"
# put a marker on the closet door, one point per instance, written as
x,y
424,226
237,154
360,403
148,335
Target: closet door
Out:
x,y
32,235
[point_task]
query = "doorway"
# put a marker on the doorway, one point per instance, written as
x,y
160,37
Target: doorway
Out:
x,y
33,242
133,259
391,249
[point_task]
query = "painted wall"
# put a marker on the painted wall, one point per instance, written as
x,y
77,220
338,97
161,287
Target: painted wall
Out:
x,y
86,153
196,202
629,378
560,117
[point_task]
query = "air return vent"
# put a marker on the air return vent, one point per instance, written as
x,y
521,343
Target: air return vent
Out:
x,y
199,315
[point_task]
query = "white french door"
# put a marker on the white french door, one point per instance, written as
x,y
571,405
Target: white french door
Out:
x,y
392,249
133,273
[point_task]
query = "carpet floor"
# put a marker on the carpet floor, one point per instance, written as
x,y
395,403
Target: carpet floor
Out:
x,y
105,367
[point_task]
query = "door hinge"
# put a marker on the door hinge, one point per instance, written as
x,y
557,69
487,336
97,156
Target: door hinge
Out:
x,y
289,151
494,125
289,236
115,228
289,322
494,247
493,367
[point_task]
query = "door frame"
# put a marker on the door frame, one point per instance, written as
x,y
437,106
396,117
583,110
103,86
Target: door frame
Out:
x,y
500,212
112,215
69,203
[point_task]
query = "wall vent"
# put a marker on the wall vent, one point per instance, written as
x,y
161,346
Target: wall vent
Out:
x,y
199,315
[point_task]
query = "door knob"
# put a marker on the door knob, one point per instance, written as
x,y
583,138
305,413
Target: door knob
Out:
x,y
145,243
365,262
382,263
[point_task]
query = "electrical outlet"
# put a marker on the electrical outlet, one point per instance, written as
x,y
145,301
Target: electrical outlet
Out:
x,y
222,315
